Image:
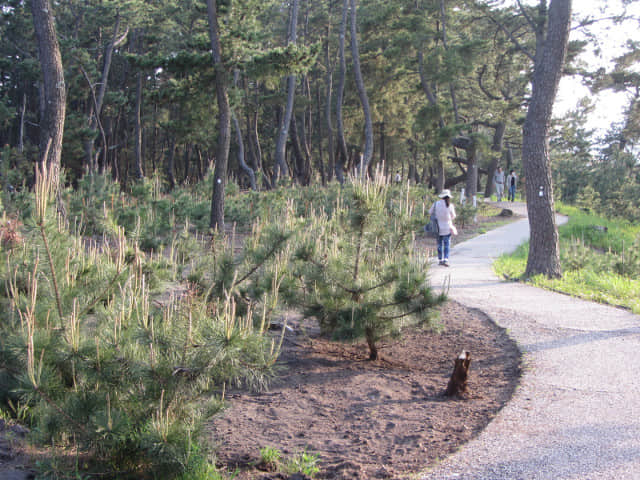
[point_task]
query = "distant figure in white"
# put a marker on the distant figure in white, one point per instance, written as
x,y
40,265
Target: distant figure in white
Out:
x,y
498,180
444,212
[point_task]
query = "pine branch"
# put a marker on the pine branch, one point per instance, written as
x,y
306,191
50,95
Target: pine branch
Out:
x,y
273,249
53,272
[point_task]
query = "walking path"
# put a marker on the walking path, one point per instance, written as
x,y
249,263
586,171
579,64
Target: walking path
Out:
x,y
576,414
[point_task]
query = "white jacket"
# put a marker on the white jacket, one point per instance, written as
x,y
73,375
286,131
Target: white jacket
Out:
x,y
444,215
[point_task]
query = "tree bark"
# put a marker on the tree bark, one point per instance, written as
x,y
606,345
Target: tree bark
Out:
x,y
241,156
439,173
171,157
327,111
224,122
243,164
53,93
452,90
299,163
342,153
458,381
498,136
362,92
319,136
281,168
96,110
544,257
137,169
23,111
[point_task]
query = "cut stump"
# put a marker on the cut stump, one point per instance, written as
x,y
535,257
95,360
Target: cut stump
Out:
x,y
458,381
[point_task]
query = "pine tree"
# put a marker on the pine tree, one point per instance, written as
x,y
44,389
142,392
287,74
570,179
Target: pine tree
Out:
x,y
360,274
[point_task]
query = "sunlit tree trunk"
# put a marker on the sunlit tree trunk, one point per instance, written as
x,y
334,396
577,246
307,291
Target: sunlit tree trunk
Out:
x,y
53,91
544,257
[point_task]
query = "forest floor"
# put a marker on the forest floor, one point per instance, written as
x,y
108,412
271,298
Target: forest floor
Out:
x,y
384,419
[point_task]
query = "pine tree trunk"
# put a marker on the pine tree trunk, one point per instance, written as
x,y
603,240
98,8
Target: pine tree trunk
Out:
x,y
362,92
137,169
241,152
327,107
319,136
342,153
471,186
171,155
281,168
224,123
544,257
495,159
23,111
243,164
53,91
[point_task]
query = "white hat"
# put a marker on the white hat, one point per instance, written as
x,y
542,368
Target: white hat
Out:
x,y
445,193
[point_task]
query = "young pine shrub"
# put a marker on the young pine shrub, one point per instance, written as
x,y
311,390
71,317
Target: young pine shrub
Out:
x,y
106,370
360,276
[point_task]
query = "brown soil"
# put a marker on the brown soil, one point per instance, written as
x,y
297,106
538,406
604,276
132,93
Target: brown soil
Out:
x,y
369,420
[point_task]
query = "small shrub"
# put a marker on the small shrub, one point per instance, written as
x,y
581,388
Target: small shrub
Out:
x,y
270,458
303,462
466,214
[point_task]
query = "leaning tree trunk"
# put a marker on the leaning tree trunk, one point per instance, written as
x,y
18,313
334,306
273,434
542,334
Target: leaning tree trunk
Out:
x,y
96,110
544,257
281,168
241,161
224,123
362,92
53,92
241,156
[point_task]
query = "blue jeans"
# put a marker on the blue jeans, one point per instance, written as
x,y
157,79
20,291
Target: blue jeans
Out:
x,y
512,193
443,247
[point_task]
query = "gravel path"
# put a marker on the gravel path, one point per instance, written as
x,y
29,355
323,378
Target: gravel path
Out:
x,y
576,414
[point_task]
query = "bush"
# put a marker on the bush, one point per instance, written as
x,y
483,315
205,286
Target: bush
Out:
x,y
103,368
360,276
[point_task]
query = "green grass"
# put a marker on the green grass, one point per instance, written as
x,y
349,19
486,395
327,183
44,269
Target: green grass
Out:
x,y
601,266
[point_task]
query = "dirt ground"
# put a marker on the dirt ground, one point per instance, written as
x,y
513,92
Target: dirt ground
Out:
x,y
372,420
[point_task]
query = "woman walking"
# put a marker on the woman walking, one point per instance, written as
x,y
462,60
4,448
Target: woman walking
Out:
x,y
444,212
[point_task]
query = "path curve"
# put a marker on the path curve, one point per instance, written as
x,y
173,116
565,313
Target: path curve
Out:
x,y
576,414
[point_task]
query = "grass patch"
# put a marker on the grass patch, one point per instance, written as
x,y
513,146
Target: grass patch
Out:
x,y
600,260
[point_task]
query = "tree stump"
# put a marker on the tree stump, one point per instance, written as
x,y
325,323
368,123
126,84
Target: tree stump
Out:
x,y
458,381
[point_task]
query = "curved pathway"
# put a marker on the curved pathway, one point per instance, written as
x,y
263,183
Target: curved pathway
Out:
x,y
576,413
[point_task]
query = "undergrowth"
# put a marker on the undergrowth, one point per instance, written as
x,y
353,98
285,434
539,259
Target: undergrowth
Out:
x,y
124,321
600,259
